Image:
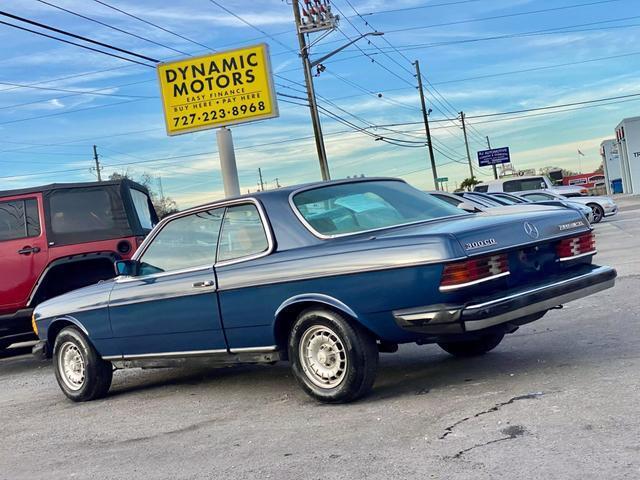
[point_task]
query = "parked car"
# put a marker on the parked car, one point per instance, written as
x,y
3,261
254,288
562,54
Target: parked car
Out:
x,y
56,238
325,275
600,206
532,182
494,202
545,198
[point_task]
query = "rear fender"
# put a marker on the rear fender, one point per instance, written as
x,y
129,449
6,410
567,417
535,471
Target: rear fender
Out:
x,y
316,298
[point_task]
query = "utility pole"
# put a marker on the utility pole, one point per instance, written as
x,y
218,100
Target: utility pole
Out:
x,y
261,182
98,167
317,17
466,144
495,170
160,188
311,95
425,116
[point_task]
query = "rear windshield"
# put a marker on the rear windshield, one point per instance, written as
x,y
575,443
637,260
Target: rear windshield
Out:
x,y
362,206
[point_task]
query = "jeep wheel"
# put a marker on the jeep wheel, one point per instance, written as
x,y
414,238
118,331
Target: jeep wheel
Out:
x,y
80,372
476,346
333,360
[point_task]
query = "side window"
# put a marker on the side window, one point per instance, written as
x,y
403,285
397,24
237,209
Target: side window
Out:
x,y
481,188
185,242
538,197
19,219
512,186
141,204
242,233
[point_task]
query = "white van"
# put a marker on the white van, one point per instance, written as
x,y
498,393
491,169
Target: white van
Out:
x,y
531,182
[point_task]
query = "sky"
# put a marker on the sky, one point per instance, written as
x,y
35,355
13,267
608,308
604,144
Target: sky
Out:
x,y
478,56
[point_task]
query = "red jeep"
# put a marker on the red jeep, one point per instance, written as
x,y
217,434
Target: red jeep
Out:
x,y
56,238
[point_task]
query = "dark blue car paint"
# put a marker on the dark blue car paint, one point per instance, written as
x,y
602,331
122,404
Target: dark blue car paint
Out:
x,y
367,276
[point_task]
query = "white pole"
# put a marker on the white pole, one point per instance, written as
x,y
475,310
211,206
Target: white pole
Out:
x,y
228,163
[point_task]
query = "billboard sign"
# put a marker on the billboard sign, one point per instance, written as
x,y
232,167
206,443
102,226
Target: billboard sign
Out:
x,y
218,89
495,156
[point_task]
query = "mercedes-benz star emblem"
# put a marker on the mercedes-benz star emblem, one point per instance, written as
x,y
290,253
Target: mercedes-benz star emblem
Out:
x,y
531,230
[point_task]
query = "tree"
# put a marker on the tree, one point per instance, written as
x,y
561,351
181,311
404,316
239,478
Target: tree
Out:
x,y
164,206
600,169
468,183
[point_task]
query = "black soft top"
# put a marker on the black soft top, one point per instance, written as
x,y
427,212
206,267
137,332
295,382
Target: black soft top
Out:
x,y
56,186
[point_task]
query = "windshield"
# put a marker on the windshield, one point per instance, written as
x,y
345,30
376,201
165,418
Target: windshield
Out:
x,y
362,206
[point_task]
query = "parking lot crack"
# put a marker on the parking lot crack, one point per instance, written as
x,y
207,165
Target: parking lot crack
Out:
x,y
511,432
495,408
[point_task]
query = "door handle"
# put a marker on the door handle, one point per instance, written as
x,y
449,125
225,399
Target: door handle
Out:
x,y
206,283
28,250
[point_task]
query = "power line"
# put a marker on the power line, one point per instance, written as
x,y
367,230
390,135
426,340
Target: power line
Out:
x,y
419,7
506,15
76,36
152,24
86,47
112,27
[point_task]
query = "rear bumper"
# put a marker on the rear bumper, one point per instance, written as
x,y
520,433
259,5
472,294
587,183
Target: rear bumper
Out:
x,y
515,306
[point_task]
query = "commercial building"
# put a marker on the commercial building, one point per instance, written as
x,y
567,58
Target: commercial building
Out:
x,y
612,169
628,137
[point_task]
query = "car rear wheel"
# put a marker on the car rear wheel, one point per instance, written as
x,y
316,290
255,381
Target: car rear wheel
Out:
x,y
473,347
598,212
80,372
333,360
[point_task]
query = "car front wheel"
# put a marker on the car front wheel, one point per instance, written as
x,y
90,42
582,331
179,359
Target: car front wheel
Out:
x,y
598,212
473,347
80,372
333,360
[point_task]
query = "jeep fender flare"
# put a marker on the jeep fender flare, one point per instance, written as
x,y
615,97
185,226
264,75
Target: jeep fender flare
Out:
x,y
80,257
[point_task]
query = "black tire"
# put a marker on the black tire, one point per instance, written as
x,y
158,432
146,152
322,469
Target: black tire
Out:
x,y
598,212
94,381
349,349
470,348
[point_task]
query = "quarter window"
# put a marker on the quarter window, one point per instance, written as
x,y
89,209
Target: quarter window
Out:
x,y
242,233
19,219
185,242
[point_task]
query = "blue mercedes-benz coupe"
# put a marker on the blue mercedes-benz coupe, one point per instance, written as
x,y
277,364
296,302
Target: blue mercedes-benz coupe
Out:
x,y
325,275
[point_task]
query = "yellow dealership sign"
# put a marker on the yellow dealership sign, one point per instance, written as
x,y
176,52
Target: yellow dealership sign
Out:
x,y
214,90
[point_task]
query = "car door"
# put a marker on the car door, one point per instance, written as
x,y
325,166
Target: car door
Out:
x,y
171,306
23,250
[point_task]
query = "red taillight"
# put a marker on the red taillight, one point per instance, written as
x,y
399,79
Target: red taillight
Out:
x,y
462,274
574,247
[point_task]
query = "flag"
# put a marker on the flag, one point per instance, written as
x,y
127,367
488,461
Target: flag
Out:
x,y
580,153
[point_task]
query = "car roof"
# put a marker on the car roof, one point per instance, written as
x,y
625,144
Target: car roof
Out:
x,y
288,190
58,186
506,179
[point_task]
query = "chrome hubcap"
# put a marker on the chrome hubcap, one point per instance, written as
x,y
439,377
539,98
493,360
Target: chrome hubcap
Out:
x,y
323,357
71,366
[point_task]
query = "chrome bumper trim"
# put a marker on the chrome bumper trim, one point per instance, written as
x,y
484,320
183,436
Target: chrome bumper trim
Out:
x,y
443,318
474,325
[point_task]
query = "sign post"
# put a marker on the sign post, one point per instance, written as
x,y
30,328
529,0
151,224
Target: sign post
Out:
x,y
218,90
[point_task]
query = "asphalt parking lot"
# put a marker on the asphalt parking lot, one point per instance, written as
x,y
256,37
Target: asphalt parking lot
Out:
x,y
559,399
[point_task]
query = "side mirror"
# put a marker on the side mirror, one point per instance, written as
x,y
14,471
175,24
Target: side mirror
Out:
x,y
128,268
467,207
